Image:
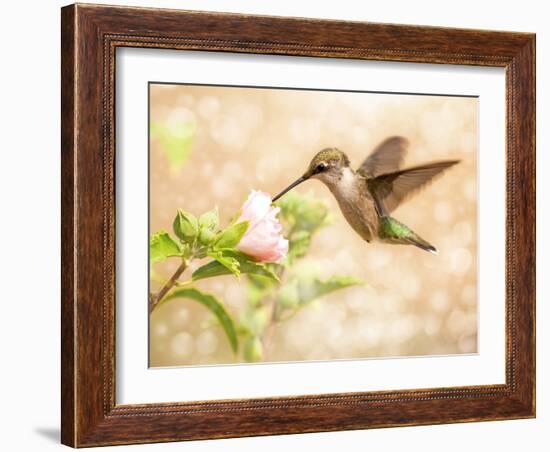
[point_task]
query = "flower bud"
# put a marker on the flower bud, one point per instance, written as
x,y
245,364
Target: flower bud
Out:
x,y
206,236
186,226
209,220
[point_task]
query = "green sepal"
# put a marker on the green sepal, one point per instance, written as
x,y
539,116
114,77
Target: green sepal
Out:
x,y
231,236
206,237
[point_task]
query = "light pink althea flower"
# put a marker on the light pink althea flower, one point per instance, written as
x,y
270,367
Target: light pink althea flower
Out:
x,y
263,239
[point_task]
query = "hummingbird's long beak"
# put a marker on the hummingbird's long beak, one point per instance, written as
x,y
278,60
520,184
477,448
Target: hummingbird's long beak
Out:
x,y
290,187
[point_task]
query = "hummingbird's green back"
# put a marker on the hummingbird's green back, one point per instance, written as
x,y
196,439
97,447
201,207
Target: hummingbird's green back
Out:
x,y
390,228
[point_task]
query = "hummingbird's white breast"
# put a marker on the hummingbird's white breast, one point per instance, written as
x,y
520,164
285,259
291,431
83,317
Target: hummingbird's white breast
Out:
x,y
347,186
356,203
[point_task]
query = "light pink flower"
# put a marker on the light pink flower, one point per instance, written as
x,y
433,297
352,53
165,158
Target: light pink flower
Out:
x,y
262,240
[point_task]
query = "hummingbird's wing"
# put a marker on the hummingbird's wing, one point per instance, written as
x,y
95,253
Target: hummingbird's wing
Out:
x,y
393,188
386,157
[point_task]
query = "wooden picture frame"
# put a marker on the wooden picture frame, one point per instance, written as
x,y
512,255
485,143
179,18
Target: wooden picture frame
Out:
x,y
90,35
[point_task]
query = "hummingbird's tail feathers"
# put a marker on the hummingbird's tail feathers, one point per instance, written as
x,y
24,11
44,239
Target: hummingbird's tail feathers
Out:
x,y
393,231
422,244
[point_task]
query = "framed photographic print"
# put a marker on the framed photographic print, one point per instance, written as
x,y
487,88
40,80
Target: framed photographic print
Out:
x,y
282,225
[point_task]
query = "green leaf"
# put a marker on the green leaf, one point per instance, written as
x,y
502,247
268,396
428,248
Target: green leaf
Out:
x,y
254,294
209,220
215,306
176,141
216,268
288,295
302,213
256,319
186,226
231,236
228,261
253,349
260,281
311,289
161,246
298,245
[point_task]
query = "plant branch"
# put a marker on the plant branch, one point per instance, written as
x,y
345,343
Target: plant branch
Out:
x,y
271,327
269,332
154,300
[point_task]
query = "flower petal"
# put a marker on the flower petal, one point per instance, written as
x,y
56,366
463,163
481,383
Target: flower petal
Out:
x,y
262,240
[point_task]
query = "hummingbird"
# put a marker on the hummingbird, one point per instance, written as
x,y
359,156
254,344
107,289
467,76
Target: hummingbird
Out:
x,y
367,196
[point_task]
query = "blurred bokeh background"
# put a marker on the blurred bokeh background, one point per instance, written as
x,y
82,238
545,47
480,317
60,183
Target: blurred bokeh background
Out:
x,y
211,145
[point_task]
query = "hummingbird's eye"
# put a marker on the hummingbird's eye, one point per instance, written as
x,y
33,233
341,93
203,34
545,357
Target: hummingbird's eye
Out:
x,y
321,167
